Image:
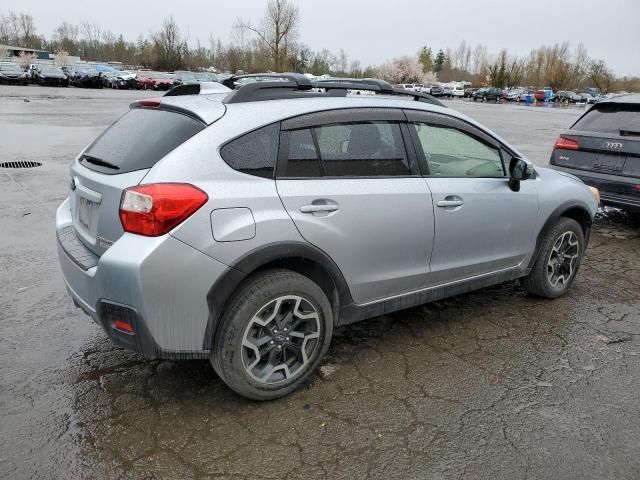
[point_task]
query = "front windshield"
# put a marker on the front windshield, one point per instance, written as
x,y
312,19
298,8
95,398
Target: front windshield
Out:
x,y
10,67
52,71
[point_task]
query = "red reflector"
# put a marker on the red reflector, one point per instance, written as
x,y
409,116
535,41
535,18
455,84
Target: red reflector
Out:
x,y
150,103
566,144
153,210
122,326
638,187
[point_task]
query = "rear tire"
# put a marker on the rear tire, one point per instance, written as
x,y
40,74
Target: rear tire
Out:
x,y
273,335
560,253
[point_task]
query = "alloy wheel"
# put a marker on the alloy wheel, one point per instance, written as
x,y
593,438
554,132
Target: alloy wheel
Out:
x,y
281,339
564,255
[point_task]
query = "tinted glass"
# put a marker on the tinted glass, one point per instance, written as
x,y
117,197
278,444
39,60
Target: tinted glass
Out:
x,y
302,160
138,140
11,68
362,149
254,153
615,119
452,153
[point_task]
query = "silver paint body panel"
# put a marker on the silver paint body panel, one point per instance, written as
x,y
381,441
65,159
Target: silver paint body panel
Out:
x,y
387,237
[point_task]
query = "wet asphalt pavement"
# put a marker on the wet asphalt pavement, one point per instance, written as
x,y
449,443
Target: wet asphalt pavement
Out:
x,y
493,384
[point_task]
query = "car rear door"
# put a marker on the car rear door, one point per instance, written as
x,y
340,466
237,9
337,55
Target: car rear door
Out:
x,y
353,190
481,225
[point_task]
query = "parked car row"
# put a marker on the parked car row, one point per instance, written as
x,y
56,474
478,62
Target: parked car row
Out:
x,y
94,76
520,94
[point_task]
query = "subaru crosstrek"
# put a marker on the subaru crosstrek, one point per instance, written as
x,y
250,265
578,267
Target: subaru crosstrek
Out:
x,y
244,225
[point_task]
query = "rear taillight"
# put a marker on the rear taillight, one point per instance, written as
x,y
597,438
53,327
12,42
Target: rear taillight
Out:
x,y
150,103
566,144
154,209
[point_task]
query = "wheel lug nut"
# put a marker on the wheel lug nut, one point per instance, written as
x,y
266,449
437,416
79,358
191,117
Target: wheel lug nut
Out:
x,y
275,330
279,347
271,342
287,339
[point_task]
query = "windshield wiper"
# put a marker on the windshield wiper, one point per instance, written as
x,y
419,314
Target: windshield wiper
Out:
x,y
99,162
629,133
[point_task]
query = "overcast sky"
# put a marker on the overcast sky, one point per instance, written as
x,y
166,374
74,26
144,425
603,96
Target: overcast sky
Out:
x,y
373,31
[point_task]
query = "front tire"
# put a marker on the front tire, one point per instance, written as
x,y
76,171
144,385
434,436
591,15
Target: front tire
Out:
x,y
561,249
273,335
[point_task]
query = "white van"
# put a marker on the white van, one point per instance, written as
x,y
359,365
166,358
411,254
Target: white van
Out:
x,y
457,91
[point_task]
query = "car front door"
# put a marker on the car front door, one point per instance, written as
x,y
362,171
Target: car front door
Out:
x,y
481,225
353,190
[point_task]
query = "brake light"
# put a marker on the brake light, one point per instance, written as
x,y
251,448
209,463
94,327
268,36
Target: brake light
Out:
x,y
155,209
150,103
566,144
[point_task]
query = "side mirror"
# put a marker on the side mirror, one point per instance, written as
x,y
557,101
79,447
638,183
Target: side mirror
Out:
x,y
519,170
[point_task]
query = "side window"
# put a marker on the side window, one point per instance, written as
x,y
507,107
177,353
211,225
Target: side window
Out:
x,y
453,153
362,149
302,160
253,153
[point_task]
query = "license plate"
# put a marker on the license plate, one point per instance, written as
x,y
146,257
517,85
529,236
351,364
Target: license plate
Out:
x,y
86,212
609,163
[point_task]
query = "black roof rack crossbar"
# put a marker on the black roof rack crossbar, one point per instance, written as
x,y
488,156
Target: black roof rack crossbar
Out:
x,y
258,91
385,88
302,81
274,86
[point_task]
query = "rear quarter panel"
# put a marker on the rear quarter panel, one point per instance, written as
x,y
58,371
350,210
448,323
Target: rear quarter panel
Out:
x,y
198,162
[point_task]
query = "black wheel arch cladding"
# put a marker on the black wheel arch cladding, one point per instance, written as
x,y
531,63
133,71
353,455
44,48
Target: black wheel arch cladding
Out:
x,y
578,211
299,257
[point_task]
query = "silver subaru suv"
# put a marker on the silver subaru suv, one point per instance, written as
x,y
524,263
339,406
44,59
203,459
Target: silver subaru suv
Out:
x,y
244,224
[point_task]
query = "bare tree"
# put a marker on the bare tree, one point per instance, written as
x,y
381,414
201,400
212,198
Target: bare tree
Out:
x,y
92,34
67,36
168,45
600,75
580,65
277,29
28,37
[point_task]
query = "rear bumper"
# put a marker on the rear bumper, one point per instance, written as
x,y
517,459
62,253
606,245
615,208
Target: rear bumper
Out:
x,y
614,189
162,282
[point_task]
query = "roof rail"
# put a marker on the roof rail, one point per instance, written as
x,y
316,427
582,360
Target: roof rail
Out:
x,y
276,86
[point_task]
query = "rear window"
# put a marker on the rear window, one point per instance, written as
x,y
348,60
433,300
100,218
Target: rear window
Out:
x,y
138,140
611,118
254,153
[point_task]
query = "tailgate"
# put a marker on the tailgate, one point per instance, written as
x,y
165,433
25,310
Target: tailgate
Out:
x,y
95,204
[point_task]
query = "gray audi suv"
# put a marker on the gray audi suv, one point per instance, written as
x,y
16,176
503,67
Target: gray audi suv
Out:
x,y
244,225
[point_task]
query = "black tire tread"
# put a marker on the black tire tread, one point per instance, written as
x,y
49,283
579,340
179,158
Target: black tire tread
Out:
x,y
257,287
536,283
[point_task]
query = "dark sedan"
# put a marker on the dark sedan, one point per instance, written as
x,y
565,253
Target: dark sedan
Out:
x,y
87,77
51,76
603,149
11,73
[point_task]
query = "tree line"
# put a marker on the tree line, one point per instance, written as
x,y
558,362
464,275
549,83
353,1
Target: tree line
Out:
x,y
272,43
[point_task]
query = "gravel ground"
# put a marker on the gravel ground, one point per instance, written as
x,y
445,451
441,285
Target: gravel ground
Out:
x,y
493,384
